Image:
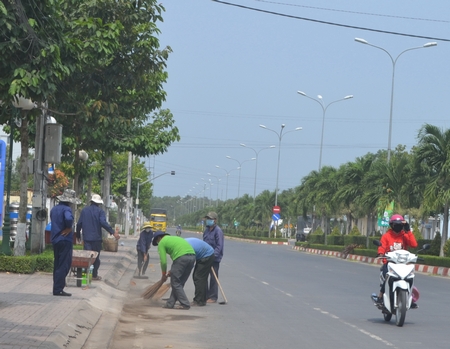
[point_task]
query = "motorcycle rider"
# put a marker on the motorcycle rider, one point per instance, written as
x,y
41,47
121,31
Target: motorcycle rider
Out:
x,y
398,237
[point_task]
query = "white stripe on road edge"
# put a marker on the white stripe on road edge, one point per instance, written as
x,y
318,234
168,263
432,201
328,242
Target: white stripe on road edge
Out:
x,y
371,335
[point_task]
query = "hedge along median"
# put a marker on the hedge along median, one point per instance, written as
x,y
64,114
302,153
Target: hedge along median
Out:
x,y
426,258
30,264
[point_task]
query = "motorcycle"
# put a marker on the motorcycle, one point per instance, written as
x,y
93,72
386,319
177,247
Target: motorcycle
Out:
x,y
399,289
178,232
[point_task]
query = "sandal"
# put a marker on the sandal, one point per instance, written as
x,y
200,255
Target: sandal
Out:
x,y
165,306
97,278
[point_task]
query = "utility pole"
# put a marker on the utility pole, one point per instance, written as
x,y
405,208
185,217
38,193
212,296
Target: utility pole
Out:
x,y
39,190
127,218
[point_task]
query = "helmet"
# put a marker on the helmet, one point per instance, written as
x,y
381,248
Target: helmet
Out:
x,y
396,218
396,223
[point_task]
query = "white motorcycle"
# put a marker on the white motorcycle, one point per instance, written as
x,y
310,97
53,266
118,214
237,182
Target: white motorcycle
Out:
x,y
398,294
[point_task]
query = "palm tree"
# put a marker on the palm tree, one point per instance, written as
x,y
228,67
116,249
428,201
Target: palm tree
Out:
x,y
433,150
352,186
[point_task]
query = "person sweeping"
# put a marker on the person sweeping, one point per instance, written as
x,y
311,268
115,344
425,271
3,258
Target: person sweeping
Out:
x,y
142,247
183,257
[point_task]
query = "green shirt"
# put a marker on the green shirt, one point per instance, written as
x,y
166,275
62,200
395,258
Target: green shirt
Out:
x,y
175,247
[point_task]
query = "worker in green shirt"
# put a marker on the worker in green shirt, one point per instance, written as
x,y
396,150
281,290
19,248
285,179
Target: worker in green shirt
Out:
x,y
183,258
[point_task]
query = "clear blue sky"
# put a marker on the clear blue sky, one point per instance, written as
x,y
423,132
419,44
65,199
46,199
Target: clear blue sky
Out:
x,y
233,69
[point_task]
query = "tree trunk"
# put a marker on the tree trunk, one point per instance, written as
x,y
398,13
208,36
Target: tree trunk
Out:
x,y
444,230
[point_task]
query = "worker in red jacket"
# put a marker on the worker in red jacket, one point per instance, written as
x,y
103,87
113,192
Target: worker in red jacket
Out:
x,y
398,237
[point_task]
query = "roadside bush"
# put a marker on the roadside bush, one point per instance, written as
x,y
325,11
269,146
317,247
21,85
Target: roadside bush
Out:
x,y
335,231
318,231
435,245
19,265
354,231
447,248
316,238
335,240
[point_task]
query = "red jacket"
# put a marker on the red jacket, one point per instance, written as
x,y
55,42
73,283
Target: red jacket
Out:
x,y
391,241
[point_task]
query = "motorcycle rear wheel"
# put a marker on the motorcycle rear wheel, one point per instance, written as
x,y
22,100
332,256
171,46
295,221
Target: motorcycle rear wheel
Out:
x,y
387,317
401,308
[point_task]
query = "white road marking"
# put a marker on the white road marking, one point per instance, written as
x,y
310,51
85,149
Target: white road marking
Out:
x,y
371,335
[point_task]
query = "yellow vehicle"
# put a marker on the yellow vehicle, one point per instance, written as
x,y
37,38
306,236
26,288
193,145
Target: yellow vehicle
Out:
x,y
158,219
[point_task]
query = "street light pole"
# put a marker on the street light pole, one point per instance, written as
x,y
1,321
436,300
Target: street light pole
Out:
x,y
240,166
172,173
324,110
394,61
256,164
280,137
218,183
228,173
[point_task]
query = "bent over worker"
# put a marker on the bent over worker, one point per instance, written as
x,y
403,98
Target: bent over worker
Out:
x,y
183,257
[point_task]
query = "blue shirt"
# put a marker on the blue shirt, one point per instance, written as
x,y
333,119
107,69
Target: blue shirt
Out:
x,y
145,240
215,239
62,218
201,248
92,220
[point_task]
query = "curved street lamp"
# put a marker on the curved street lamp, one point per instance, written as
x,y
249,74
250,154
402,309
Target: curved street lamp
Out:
x,y
240,166
394,61
218,183
280,136
256,164
228,173
324,110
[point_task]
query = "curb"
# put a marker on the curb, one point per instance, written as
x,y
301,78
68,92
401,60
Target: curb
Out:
x,y
428,269
107,298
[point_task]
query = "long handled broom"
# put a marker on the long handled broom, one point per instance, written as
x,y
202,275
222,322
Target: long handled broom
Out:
x,y
220,286
150,291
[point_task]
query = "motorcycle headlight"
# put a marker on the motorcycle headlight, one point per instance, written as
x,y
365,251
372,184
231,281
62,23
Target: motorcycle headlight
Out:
x,y
392,272
410,275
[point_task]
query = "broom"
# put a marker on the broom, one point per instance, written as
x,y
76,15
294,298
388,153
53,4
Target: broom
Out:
x,y
151,290
161,292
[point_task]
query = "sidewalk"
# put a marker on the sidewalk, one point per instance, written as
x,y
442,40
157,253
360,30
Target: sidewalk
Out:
x,y
31,317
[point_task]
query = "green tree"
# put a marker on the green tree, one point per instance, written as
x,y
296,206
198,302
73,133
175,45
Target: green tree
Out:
x,y
433,151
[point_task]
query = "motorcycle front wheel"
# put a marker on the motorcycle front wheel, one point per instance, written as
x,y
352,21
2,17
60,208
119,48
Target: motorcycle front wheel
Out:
x,y
401,308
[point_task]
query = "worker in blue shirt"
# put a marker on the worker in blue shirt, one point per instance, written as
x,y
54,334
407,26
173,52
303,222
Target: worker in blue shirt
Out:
x,y
92,220
62,240
142,247
204,259
213,235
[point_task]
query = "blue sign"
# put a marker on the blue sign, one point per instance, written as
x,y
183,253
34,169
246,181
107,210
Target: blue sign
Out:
x,y
275,216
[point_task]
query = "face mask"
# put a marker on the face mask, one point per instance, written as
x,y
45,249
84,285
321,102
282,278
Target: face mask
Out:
x,y
397,228
209,222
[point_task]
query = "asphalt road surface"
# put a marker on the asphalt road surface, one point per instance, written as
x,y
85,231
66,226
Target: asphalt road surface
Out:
x,y
281,298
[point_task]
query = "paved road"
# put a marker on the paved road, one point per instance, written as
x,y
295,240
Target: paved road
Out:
x,y
280,298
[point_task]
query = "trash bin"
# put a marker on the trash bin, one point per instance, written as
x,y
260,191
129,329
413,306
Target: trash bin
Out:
x,y
13,219
29,212
48,229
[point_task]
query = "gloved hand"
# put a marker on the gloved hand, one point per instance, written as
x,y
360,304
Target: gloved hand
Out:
x,y
406,227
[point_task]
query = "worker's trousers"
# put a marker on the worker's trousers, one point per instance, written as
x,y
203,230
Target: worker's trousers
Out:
x,y
179,273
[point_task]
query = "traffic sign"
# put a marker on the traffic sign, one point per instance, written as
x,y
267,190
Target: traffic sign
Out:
x,y
275,216
276,209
